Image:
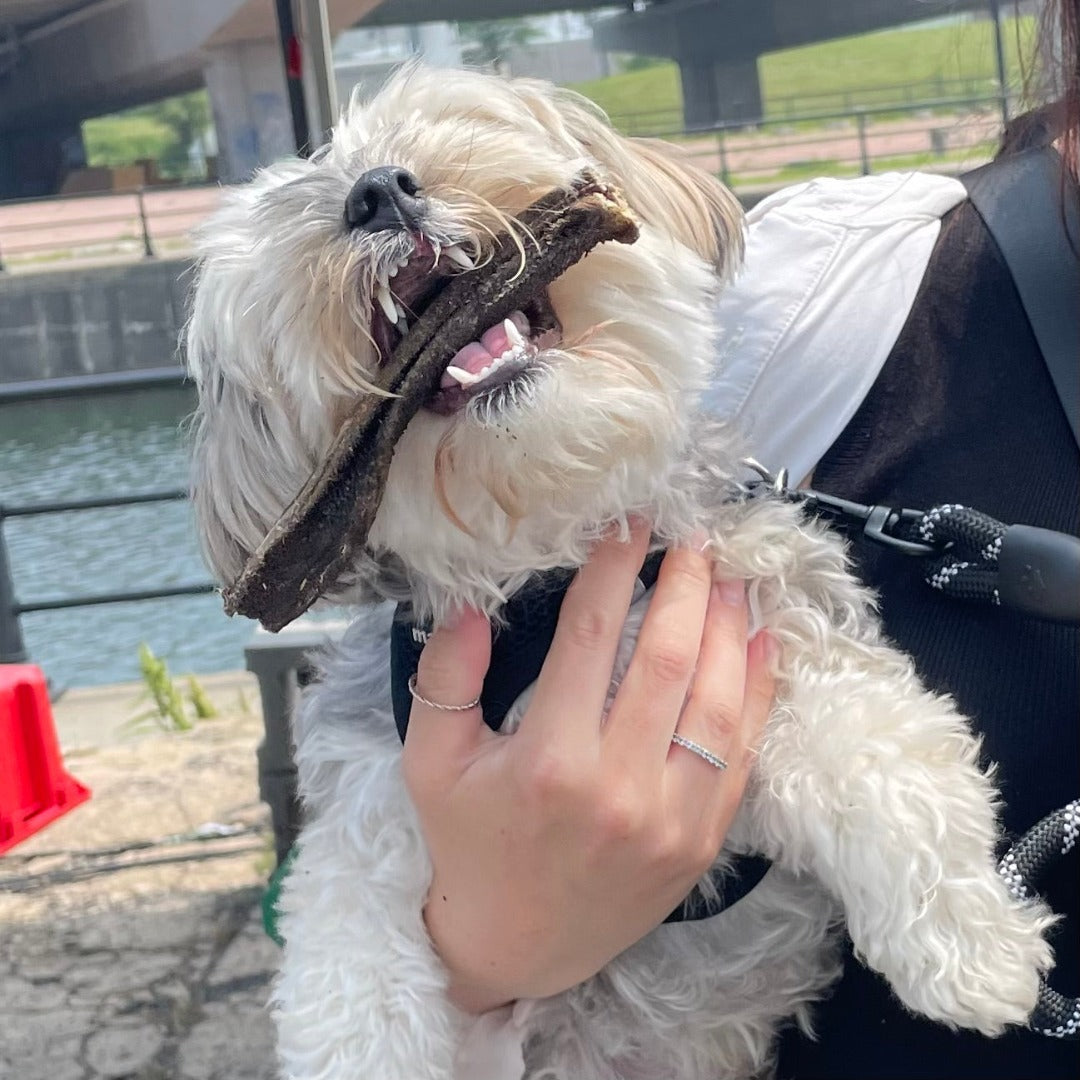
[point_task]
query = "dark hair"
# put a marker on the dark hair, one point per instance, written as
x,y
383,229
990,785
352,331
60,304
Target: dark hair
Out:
x,y
1058,82
1069,43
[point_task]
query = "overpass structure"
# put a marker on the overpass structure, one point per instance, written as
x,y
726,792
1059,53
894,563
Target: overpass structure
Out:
x,y
64,61
717,42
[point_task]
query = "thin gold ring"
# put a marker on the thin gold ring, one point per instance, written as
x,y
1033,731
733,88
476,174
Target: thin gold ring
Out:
x,y
436,705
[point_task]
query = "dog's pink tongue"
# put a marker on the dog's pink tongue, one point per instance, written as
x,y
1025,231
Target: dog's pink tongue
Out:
x,y
478,355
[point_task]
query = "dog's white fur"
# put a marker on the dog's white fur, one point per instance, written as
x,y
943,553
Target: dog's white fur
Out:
x,y
868,794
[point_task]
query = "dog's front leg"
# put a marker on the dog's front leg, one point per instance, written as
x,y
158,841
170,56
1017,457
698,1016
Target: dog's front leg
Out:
x,y
874,785
361,993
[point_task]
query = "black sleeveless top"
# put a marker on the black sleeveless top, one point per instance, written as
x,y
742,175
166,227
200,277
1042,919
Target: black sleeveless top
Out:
x,y
964,412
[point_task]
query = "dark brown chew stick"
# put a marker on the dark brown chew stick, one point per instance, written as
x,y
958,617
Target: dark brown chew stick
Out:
x,y
312,542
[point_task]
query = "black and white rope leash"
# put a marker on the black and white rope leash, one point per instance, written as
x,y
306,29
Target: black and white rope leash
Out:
x,y
1055,836
975,558
970,555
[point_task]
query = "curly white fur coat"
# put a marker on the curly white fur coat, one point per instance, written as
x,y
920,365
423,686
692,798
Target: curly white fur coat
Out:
x,y
868,794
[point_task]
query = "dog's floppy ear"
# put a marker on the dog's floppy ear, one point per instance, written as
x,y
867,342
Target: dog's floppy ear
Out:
x,y
664,187
668,190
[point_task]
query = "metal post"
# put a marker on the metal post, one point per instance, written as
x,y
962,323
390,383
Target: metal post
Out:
x,y
317,34
725,172
148,247
290,57
1003,85
864,153
12,649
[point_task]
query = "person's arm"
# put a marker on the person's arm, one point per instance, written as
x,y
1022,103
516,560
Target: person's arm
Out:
x,y
558,847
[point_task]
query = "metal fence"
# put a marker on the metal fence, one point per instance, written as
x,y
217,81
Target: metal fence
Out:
x,y
140,222
952,130
850,142
12,648
944,92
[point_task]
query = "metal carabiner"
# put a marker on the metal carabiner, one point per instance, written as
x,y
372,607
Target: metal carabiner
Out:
x,y
876,523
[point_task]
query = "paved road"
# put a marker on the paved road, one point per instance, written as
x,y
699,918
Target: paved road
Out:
x,y
159,970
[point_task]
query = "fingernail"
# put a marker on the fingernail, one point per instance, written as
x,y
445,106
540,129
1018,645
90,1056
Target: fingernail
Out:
x,y
732,593
455,618
698,541
770,647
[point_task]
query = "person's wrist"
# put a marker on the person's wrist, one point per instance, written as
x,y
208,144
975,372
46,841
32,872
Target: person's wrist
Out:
x,y
475,999
468,990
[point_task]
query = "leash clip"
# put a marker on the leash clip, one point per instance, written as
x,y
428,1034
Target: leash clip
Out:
x,y
884,525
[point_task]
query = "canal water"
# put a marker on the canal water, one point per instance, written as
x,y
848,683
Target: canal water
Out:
x,y
109,445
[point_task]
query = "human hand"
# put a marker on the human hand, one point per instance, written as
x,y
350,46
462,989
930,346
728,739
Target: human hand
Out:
x,y
558,847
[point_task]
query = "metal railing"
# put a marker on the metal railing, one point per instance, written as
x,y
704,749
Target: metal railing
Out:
x,y
12,647
943,92
747,155
140,221
781,151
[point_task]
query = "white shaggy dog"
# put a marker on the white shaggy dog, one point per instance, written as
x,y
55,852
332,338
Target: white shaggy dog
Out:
x,y
868,795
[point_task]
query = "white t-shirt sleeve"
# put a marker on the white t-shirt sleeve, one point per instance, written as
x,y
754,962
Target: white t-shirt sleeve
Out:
x,y
831,271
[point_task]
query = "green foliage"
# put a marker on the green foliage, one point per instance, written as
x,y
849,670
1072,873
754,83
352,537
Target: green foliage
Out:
x,y
164,130
112,141
203,706
868,70
170,711
632,62
489,40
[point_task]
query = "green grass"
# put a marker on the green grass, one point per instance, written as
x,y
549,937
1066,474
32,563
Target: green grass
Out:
x,y
835,75
121,139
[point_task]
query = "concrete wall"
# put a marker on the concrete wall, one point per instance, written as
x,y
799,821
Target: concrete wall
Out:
x,y
81,322
559,61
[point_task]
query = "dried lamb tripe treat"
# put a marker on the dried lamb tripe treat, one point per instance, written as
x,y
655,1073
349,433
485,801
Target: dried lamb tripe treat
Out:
x,y
313,541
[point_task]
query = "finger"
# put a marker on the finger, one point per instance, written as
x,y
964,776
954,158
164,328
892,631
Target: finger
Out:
x,y
653,692
714,712
451,672
758,701
573,685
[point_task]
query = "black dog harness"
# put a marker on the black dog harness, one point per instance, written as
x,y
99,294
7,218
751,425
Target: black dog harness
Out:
x,y
518,650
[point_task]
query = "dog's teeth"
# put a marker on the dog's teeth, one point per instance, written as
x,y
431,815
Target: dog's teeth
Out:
x,y
386,302
393,272
466,378
513,334
456,255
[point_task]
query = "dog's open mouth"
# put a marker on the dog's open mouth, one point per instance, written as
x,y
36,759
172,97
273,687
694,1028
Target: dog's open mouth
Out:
x,y
497,356
467,334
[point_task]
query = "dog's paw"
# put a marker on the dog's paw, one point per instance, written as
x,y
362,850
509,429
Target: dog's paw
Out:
x,y
983,974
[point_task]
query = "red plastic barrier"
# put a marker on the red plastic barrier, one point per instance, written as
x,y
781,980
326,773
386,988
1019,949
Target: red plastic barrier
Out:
x,y
35,788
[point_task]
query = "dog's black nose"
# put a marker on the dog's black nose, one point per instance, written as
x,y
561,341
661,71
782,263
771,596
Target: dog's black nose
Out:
x,y
384,198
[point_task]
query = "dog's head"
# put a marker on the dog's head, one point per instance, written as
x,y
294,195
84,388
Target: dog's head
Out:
x,y
552,423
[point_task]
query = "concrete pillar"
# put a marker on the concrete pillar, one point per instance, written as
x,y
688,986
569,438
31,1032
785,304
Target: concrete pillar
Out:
x,y
36,161
716,93
439,44
250,102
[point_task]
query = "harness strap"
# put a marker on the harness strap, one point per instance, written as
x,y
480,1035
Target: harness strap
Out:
x,y
1031,207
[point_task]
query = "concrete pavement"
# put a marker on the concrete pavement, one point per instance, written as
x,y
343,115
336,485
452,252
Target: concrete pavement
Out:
x,y
131,943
